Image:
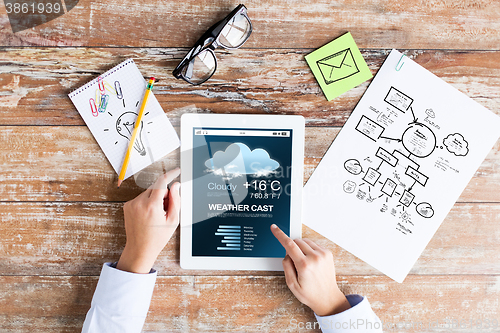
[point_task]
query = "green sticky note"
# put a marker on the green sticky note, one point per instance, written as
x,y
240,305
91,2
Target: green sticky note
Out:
x,y
338,66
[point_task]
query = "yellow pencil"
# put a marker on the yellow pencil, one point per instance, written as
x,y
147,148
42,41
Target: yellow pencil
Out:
x,y
149,87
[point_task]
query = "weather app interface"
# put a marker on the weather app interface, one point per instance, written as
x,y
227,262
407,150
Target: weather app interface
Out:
x,y
241,185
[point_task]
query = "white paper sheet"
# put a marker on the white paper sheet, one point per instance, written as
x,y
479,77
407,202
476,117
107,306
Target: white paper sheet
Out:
x,y
398,165
109,105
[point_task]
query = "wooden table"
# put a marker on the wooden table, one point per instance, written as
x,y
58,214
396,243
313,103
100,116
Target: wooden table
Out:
x,y
61,214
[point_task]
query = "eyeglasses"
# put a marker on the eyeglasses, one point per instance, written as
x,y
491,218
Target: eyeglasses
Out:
x,y
200,63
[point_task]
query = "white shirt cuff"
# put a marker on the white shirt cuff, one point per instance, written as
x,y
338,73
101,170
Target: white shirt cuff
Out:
x,y
359,318
121,301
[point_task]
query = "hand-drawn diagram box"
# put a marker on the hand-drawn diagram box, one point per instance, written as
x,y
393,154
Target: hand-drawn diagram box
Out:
x,y
389,187
418,176
407,198
386,156
369,128
398,99
371,176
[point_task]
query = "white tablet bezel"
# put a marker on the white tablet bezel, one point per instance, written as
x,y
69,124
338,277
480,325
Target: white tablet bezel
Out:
x,y
190,121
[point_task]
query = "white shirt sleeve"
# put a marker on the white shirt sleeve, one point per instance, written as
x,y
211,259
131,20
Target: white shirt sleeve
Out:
x,y
121,301
359,318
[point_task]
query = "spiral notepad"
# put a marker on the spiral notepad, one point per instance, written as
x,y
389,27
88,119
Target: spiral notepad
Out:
x,y
109,105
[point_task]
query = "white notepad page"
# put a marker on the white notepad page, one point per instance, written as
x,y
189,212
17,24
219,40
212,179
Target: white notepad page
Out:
x,y
109,105
401,161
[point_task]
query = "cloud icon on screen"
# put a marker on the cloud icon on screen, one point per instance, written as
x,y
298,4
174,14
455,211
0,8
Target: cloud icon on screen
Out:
x,y
238,160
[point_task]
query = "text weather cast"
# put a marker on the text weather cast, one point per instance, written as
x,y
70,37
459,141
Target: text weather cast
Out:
x,y
241,185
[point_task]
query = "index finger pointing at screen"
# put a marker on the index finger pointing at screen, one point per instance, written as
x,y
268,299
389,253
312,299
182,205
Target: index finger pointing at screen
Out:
x,y
159,188
292,249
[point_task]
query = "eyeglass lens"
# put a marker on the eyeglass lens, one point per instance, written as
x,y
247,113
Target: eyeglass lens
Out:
x,y
200,68
233,35
235,32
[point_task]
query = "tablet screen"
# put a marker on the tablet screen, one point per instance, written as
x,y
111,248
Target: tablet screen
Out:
x,y
241,185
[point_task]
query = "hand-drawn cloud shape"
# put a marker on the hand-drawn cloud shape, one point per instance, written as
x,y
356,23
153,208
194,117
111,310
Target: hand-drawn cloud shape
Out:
x,y
430,113
424,209
456,144
349,186
353,166
238,159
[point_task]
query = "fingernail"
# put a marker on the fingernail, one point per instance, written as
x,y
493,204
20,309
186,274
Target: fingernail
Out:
x,y
274,226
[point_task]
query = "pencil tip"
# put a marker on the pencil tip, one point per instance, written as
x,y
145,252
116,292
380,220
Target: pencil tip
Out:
x,y
119,183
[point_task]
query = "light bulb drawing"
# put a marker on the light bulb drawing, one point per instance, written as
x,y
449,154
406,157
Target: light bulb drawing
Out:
x,y
126,121
125,126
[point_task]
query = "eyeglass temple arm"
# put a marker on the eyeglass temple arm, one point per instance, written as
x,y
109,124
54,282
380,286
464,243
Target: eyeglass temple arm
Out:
x,y
186,60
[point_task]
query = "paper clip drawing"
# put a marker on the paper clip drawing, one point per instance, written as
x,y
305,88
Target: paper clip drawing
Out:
x,y
337,66
104,103
101,98
109,88
93,107
119,93
97,97
118,90
100,84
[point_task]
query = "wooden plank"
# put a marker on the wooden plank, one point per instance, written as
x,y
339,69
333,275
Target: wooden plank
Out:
x,y
274,81
64,163
254,304
41,163
77,238
375,24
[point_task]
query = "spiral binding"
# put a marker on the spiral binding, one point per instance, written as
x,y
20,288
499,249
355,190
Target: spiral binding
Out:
x,y
102,76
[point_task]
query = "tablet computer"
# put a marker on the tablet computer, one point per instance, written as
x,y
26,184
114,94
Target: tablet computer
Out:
x,y
239,175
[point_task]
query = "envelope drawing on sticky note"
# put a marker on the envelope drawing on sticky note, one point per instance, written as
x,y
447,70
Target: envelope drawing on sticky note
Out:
x,y
337,66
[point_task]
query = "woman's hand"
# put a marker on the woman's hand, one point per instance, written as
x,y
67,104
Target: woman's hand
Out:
x,y
310,275
150,221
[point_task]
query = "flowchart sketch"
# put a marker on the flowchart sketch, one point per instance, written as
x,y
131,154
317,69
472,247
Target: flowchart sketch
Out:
x,y
389,187
369,128
401,161
386,157
418,176
407,198
398,99
371,176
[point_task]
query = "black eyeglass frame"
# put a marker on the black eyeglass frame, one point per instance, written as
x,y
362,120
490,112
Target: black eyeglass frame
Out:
x,y
209,42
